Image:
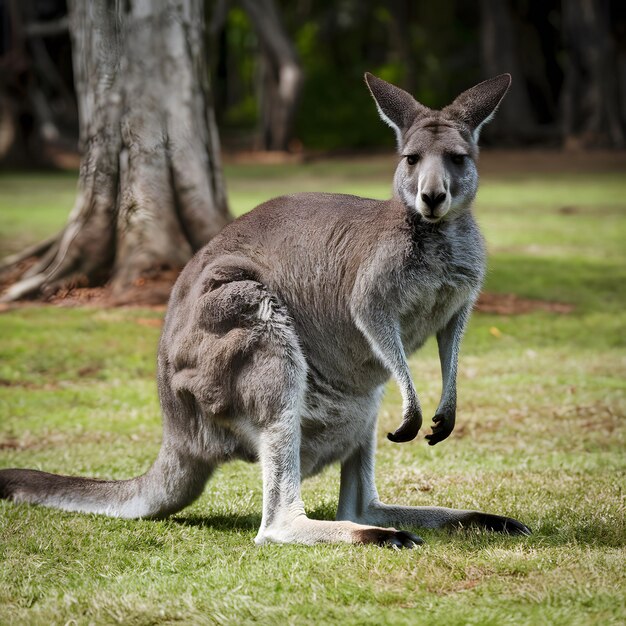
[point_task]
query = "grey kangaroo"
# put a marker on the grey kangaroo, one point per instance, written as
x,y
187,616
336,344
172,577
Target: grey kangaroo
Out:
x,y
282,332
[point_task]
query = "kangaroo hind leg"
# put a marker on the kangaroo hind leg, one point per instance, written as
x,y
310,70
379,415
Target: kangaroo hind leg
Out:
x,y
358,501
269,388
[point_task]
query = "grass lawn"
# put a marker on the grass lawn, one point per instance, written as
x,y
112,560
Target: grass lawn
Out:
x,y
541,436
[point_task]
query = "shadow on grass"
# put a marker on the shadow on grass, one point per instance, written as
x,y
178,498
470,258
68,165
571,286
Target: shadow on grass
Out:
x,y
607,534
244,522
223,523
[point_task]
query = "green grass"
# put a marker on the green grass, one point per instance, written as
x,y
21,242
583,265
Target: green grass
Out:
x,y
541,436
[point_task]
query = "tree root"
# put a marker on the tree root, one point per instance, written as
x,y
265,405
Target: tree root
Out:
x,y
23,288
150,190
36,250
51,270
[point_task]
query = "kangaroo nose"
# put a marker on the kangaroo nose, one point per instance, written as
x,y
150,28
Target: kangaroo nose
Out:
x,y
433,200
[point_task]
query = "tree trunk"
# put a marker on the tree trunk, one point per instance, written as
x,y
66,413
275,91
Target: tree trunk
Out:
x,y
150,188
281,75
591,99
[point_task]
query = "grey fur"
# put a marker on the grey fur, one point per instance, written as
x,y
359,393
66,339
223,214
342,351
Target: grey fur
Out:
x,y
281,333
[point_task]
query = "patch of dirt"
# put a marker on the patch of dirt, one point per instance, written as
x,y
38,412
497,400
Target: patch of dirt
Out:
x,y
88,371
11,275
153,322
500,162
24,384
42,441
263,157
598,418
10,443
151,292
511,304
592,422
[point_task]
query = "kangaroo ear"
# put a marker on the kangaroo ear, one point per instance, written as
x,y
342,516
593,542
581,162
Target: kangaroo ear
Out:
x,y
396,107
476,106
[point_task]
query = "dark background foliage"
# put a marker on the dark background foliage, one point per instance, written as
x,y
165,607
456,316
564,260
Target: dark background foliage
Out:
x,y
567,57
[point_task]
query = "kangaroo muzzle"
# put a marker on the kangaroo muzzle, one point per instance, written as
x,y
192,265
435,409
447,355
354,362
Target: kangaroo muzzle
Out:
x,y
433,197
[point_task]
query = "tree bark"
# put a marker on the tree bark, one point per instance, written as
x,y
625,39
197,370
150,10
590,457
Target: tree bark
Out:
x,y
281,75
150,190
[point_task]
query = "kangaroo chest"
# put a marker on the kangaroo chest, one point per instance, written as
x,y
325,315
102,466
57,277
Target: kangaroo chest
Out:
x,y
431,309
444,272
341,406
334,422
432,274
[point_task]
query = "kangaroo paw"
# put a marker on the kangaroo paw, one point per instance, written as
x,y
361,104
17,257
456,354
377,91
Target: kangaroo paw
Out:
x,y
407,431
443,425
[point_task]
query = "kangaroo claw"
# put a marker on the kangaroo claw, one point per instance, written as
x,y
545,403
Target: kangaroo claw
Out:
x,y
443,425
407,431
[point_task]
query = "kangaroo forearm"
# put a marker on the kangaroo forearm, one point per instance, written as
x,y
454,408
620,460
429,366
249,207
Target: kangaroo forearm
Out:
x,y
382,331
449,342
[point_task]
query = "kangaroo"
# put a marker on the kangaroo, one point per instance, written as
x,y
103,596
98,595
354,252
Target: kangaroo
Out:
x,y
281,333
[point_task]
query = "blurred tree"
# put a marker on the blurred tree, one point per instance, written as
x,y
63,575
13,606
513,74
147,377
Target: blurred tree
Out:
x,y
437,49
500,54
234,52
150,190
37,103
567,57
281,75
261,59
592,115
338,42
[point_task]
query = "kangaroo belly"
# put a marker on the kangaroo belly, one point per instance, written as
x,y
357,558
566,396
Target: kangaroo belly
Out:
x,y
333,424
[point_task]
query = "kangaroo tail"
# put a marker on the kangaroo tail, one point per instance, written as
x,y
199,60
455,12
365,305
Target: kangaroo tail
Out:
x,y
175,480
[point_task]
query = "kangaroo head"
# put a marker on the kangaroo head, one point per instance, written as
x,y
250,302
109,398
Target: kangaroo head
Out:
x,y
437,174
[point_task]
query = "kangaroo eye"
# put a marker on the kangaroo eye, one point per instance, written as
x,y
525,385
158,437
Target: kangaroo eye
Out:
x,y
412,159
457,159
